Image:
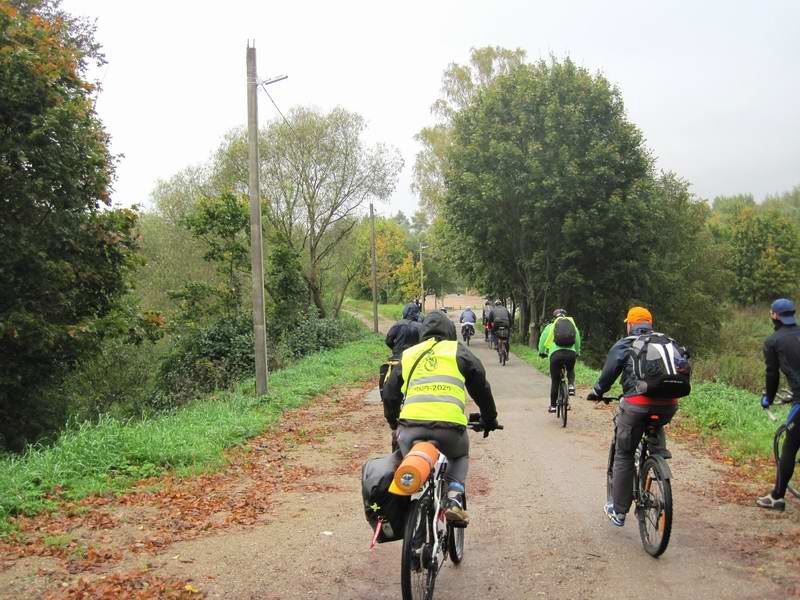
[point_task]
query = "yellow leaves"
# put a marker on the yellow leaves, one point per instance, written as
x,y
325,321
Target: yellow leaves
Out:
x,y
191,589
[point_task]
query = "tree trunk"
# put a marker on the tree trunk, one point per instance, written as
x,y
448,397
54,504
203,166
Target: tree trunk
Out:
x,y
316,293
524,319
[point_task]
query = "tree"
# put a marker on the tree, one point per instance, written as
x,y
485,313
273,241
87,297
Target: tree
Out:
x,y
765,258
406,277
316,175
283,279
64,260
545,176
460,84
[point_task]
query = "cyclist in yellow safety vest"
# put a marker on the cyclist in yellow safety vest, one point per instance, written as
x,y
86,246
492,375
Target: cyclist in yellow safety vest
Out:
x,y
424,398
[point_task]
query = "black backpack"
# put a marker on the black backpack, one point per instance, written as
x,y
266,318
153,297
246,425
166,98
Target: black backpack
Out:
x,y
659,366
564,332
379,504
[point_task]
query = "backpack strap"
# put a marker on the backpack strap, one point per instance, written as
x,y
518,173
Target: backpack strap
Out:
x,y
414,366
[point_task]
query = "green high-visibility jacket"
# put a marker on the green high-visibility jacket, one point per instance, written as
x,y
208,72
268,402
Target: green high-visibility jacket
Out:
x,y
547,342
436,390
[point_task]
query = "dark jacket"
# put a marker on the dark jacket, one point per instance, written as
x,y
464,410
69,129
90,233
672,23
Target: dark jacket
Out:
x,y
782,353
437,325
404,333
617,363
500,317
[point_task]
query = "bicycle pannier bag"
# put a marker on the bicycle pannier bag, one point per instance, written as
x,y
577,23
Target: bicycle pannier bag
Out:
x,y
564,332
660,367
377,475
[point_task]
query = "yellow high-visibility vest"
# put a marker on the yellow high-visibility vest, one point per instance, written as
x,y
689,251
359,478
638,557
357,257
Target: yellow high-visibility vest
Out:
x,y
437,390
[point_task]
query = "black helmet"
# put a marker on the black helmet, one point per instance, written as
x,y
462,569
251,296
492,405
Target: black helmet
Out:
x,y
559,312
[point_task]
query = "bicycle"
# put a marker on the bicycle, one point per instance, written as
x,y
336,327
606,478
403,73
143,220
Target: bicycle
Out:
x,y
429,539
562,402
501,336
783,397
652,490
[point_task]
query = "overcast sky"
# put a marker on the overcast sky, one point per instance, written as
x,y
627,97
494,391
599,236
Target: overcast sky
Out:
x,y
714,86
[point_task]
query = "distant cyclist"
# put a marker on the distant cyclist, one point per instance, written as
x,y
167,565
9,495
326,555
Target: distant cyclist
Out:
x,y
487,309
638,402
782,353
499,317
467,319
561,341
405,332
425,398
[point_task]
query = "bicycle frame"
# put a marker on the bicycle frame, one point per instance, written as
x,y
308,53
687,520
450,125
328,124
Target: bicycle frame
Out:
x,y
433,486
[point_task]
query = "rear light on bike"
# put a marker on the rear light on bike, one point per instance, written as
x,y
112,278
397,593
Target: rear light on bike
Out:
x,y
415,469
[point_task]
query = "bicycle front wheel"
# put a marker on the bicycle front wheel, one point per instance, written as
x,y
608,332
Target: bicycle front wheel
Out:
x,y
655,507
455,543
416,575
777,446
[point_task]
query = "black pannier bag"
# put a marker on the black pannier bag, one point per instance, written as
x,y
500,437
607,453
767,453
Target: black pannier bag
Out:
x,y
379,504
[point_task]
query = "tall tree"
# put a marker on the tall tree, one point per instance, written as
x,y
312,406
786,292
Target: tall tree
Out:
x,y
546,175
63,256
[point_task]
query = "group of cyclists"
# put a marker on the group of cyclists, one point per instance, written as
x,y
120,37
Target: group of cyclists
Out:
x,y
424,393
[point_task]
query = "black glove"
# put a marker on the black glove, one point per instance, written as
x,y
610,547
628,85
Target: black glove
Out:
x,y
593,396
542,355
488,426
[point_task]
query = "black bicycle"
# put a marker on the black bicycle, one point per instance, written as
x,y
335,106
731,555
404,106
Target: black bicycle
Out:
x,y
652,490
562,401
783,397
429,539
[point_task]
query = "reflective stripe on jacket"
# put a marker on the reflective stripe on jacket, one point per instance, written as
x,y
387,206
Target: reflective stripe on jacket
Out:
x,y
436,390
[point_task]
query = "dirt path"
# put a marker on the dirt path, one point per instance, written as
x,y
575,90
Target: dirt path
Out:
x,y
536,494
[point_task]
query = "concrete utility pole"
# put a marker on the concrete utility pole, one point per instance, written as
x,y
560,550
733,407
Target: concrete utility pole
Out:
x,y
374,270
256,248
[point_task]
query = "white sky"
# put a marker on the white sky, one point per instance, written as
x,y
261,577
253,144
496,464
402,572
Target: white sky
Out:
x,y
714,86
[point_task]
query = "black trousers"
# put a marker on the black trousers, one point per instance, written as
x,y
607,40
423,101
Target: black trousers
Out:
x,y
558,359
791,443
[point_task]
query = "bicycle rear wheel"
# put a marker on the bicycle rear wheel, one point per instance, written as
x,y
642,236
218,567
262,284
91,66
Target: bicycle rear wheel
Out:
x,y
563,402
416,576
777,446
655,506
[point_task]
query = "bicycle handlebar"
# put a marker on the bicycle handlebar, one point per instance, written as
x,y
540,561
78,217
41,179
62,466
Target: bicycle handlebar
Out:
x,y
474,422
605,400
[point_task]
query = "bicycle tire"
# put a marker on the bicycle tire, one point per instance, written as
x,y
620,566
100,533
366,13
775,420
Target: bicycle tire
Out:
x,y
654,509
610,470
777,445
563,401
455,543
414,576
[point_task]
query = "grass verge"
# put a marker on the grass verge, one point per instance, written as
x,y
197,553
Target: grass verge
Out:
x,y
731,415
111,454
393,312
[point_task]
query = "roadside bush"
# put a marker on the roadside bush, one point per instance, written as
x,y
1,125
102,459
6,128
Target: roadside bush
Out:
x,y
207,359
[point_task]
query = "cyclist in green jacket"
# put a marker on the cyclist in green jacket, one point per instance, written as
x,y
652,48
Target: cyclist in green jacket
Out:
x,y
561,341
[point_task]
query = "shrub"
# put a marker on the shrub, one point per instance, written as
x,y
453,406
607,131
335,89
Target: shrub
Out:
x,y
208,359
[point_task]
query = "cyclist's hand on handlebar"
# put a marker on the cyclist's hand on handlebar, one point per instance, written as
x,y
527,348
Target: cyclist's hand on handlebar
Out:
x,y
488,426
593,396
765,401
542,355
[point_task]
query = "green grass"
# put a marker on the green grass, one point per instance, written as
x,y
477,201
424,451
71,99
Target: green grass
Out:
x,y
731,415
393,312
111,454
